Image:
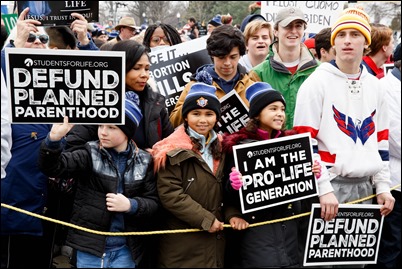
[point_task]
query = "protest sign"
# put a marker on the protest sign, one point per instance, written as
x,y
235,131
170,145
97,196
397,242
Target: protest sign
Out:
x,y
52,13
172,67
352,237
87,86
234,113
275,171
318,14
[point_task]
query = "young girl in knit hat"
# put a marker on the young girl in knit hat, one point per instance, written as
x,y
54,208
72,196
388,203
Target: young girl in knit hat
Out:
x,y
273,245
116,195
189,165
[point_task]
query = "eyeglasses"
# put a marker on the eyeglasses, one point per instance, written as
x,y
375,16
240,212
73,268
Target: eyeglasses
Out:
x,y
157,39
42,38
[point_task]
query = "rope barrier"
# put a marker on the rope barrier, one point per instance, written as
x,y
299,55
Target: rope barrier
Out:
x,y
166,231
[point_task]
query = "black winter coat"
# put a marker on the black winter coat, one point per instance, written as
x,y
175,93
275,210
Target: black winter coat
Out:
x,y
101,177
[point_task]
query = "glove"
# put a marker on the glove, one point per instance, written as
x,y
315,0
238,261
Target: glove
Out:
x,y
235,179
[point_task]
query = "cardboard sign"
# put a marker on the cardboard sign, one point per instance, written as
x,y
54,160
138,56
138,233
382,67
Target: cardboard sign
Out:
x,y
275,171
352,237
46,85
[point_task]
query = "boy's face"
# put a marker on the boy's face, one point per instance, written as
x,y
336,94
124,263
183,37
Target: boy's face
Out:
x,y
291,35
226,66
349,45
111,136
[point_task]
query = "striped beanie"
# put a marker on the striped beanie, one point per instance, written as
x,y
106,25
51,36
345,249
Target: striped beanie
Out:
x,y
201,96
132,113
354,18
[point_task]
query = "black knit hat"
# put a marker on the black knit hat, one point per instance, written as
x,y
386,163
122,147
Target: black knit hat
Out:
x,y
133,115
201,96
216,21
261,94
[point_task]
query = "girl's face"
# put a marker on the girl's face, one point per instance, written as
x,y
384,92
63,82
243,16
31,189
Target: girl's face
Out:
x,y
272,117
111,136
159,38
138,76
201,120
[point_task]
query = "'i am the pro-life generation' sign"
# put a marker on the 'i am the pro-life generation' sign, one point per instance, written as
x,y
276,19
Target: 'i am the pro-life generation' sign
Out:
x,y
275,171
46,85
352,237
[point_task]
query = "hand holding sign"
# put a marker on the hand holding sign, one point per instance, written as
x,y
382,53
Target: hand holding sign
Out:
x,y
79,27
235,179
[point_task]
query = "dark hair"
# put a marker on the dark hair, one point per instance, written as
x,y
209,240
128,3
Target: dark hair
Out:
x,y
223,39
215,149
61,37
192,19
323,40
133,49
170,32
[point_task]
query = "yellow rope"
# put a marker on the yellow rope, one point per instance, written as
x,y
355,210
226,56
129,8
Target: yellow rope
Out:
x,y
165,231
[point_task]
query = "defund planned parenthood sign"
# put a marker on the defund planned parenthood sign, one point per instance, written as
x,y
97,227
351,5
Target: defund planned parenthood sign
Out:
x,y
275,171
352,237
46,85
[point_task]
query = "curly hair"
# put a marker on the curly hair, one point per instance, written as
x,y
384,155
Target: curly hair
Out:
x,y
223,39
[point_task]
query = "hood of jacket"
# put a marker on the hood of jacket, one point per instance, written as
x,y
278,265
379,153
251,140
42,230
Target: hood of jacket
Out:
x,y
178,139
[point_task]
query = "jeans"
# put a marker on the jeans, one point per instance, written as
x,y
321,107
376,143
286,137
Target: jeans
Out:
x,y
390,246
120,258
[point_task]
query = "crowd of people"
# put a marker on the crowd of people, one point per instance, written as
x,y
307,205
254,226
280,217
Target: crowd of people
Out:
x,y
174,170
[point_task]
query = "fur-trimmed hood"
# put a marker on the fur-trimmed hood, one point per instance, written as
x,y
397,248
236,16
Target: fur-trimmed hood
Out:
x,y
178,139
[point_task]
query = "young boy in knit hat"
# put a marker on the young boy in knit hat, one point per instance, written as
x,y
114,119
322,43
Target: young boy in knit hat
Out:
x,y
344,109
277,242
189,165
118,192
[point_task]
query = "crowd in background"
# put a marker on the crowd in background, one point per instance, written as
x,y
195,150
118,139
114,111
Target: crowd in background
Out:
x,y
167,171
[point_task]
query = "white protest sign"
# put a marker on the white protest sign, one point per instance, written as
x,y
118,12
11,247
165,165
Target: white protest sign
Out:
x,y
318,14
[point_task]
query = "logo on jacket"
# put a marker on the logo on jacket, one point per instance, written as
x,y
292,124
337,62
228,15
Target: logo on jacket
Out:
x,y
362,130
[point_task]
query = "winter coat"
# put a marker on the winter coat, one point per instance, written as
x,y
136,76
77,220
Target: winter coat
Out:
x,y
24,186
271,245
155,121
102,176
240,87
192,195
274,72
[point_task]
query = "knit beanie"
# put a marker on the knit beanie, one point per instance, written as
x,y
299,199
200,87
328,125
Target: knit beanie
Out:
x,y
354,18
216,21
261,94
133,115
201,96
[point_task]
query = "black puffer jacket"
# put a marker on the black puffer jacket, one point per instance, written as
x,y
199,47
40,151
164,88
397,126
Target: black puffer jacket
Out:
x,y
101,177
155,124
